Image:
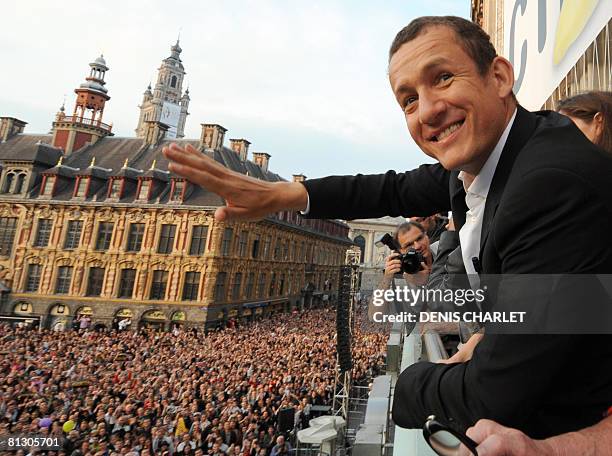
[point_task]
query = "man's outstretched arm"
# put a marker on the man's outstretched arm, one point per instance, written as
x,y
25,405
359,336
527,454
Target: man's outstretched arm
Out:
x,y
422,191
246,198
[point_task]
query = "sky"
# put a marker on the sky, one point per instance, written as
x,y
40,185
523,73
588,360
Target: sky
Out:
x,y
305,81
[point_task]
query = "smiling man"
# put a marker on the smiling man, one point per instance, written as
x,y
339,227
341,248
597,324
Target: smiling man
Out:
x,y
519,184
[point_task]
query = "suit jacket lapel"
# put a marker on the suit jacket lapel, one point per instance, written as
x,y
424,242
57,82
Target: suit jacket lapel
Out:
x,y
521,131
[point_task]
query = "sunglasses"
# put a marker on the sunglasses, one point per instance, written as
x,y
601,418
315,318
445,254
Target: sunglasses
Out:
x,y
444,440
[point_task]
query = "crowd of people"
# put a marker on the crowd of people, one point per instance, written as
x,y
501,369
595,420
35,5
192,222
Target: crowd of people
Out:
x,y
176,393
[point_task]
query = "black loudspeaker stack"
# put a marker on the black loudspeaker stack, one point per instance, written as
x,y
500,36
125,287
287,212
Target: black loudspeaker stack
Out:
x,y
343,330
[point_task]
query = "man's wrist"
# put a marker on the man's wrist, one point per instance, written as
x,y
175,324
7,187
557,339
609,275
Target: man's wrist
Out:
x,y
568,444
292,195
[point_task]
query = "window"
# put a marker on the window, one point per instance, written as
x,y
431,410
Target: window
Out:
x,y
173,82
178,189
243,243
289,284
105,233
166,239
135,237
95,282
360,241
237,285
282,284
255,250
248,292
266,252
8,182
19,184
33,279
191,285
115,188
220,286
226,244
126,283
262,285
286,250
47,188
43,232
277,249
82,185
158,286
272,290
62,283
7,234
73,235
145,186
198,240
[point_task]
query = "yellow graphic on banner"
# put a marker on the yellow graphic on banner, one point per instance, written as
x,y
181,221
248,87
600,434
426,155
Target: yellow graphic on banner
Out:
x,y
574,16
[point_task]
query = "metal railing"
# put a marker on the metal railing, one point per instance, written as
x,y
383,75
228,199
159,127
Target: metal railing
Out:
x,y
410,442
86,121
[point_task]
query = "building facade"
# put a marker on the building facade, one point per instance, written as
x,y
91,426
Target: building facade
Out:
x,y
94,227
365,233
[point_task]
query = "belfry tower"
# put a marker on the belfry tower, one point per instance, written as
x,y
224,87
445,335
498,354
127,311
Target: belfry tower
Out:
x,y
85,126
167,103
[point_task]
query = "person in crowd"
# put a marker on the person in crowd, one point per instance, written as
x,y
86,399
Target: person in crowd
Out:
x,y
435,225
592,114
200,383
282,448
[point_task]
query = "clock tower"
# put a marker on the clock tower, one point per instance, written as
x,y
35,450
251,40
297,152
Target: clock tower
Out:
x,y
167,103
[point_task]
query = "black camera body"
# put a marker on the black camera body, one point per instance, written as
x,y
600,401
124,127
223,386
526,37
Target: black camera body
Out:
x,y
411,260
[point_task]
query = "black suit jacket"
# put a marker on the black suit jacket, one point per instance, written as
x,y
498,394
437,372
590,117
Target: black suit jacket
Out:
x,y
549,210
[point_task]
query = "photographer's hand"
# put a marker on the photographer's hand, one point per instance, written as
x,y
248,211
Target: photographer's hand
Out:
x,y
246,198
392,265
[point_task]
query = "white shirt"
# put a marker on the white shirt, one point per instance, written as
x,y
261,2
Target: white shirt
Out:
x,y
475,199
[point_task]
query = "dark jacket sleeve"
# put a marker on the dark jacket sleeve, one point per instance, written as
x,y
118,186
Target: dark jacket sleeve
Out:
x,y
522,381
422,191
448,262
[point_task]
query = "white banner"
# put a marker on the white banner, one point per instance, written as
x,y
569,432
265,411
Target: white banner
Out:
x,y
545,38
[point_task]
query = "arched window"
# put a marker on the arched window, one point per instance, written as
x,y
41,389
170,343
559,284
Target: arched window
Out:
x,y
19,184
173,82
360,241
8,182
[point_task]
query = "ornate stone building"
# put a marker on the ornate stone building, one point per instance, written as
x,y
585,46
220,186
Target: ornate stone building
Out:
x,y
94,225
365,233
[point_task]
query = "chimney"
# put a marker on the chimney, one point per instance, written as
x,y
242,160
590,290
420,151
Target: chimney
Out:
x,y
9,127
299,178
262,159
154,132
241,147
212,136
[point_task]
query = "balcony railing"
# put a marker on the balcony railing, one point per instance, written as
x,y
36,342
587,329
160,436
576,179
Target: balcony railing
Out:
x,y
89,122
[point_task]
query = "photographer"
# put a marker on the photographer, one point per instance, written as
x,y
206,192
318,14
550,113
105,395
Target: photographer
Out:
x,y
410,237
409,244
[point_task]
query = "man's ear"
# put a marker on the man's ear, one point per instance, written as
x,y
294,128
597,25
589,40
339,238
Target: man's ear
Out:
x,y
503,75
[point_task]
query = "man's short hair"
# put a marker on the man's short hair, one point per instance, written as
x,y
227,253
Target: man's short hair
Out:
x,y
473,39
406,226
